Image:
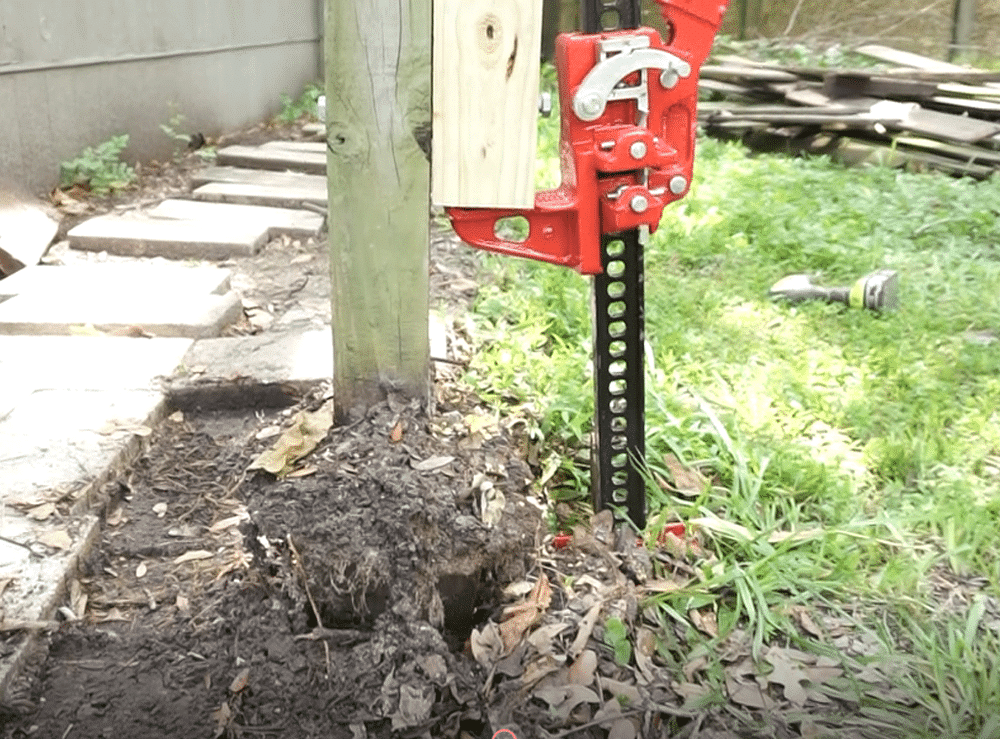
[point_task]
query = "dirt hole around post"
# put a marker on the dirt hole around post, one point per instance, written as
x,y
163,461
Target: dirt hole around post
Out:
x,y
341,595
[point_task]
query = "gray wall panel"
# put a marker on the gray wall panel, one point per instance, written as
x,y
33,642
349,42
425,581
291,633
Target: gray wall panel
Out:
x,y
75,72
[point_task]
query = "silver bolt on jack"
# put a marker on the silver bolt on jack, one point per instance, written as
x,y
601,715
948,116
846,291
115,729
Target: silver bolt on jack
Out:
x,y
545,104
588,107
639,204
638,150
678,185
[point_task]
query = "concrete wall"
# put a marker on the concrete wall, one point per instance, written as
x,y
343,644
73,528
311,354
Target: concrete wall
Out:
x,y
73,73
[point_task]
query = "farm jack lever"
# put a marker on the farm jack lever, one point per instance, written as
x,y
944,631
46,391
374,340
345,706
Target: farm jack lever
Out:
x,y
628,100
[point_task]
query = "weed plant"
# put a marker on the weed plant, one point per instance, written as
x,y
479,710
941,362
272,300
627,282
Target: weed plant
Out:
x,y
99,167
852,458
305,107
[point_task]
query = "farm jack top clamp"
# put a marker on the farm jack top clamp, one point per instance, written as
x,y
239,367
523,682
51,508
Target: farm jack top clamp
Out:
x,y
628,100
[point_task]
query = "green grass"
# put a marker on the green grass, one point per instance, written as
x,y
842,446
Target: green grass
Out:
x,y
874,438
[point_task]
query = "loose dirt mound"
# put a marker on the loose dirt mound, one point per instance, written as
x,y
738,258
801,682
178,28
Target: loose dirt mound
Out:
x,y
334,604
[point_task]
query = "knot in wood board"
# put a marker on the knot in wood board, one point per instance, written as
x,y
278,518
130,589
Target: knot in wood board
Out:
x,y
490,34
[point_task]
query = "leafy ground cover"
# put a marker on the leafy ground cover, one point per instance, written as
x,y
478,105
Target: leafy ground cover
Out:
x,y
831,466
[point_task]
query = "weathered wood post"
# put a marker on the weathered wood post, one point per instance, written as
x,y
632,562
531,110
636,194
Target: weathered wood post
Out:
x,y
378,92
963,24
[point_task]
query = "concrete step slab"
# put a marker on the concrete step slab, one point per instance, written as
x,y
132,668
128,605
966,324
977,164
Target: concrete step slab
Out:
x,y
123,313
246,176
155,275
136,235
314,129
234,192
97,362
27,227
312,147
259,157
59,445
298,224
248,371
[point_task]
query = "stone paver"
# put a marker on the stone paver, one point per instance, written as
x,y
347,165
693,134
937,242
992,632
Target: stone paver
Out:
x,y
246,176
82,407
80,279
235,192
287,221
312,147
272,158
273,367
120,313
26,230
141,236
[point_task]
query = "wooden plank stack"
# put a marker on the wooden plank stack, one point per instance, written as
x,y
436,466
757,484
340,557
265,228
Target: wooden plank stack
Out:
x,y
910,110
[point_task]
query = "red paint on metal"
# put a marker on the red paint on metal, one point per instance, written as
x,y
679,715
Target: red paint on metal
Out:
x,y
606,188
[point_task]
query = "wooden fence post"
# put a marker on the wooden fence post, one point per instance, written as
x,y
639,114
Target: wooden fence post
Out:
x,y
378,79
963,24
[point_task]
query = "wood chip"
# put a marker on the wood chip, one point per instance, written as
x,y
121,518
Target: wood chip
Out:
x,y
431,464
193,555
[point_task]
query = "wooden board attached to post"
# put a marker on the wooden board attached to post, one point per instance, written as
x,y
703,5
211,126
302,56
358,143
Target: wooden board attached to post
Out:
x,y
485,99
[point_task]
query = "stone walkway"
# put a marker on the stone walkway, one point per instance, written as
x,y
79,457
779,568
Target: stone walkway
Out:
x,y
94,353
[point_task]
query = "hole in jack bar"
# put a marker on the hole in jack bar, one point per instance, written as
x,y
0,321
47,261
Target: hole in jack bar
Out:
x,y
512,228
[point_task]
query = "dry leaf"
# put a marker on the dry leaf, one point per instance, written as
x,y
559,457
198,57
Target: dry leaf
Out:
x,y
415,705
160,509
521,617
433,463
268,432
695,666
804,619
624,692
723,527
581,672
585,630
241,680
690,691
115,517
227,523
623,728
541,638
519,589
686,480
788,674
564,698
58,539
535,671
396,435
194,554
663,586
487,646
182,604
747,693
176,417
705,622
645,647
141,570
42,512
778,537
222,717
492,503
302,472
304,435
114,614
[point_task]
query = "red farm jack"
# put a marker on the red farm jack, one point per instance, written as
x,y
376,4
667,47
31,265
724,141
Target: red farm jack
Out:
x,y
628,100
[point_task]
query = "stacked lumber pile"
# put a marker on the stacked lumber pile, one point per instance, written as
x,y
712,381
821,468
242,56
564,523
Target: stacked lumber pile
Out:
x,y
910,110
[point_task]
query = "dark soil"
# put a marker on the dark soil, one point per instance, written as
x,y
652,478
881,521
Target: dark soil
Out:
x,y
336,604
